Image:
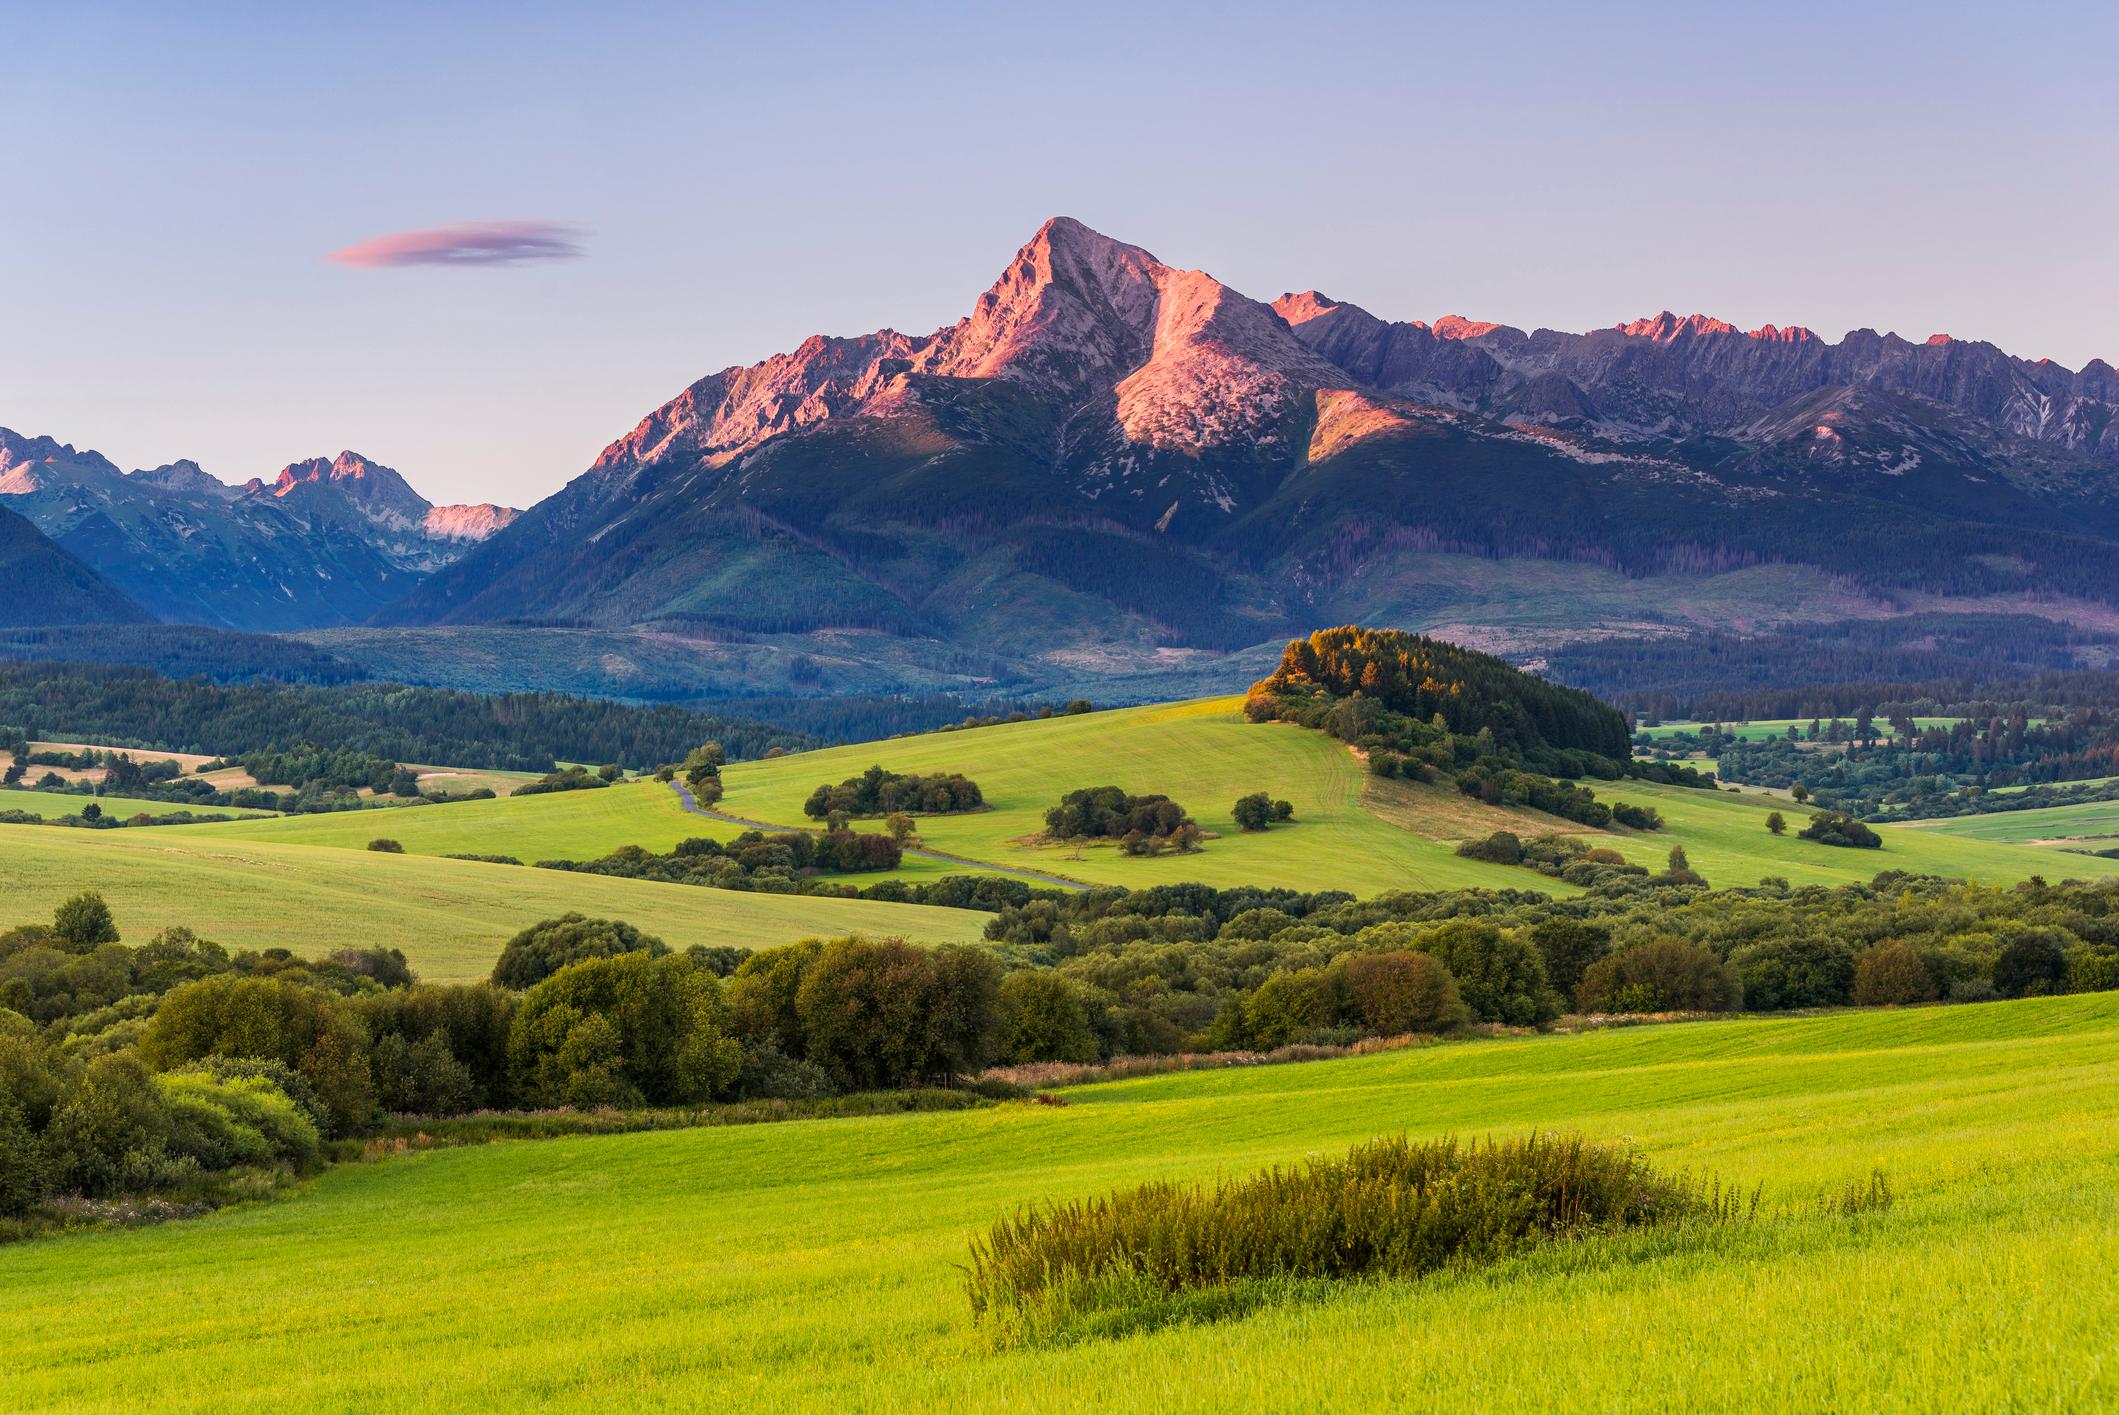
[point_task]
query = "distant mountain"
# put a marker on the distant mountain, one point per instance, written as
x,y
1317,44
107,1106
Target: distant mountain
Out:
x,y
1670,376
326,543
1112,463
47,586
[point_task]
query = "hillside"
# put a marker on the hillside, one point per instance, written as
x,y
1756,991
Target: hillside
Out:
x,y
450,917
46,585
839,1288
1351,831
1113,468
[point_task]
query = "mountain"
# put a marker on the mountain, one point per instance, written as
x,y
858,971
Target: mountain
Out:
x,y
1668,375
325,543
47,586
1113,466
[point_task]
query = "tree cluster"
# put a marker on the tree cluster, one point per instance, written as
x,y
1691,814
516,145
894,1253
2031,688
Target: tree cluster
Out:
x,y
1142,824
876,792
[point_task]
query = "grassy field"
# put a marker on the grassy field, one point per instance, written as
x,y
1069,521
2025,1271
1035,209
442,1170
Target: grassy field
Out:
x,y
449,916
812,1265
1778,727
51,805
1351,832
2089,821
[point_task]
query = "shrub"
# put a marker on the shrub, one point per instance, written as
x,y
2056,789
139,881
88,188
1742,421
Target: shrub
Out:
x,y
1046,1017
761,996
1891,974
626,1030
1776,823
1499,974
2031,964
1289,1005
1391,1208
770,1074
1833,828
270,1019
384,845
1503,847
2092,969
1569,945
111,1133
22,1163
544,948
1661,975
1794,972
1637,817
83,923
221,1123
421,1077
881,1013
877,792
1107,812
1253,812
1402,991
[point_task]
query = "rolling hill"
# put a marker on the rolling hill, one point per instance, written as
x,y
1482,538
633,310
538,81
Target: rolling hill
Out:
x,y
1352,831
583,1274
450,917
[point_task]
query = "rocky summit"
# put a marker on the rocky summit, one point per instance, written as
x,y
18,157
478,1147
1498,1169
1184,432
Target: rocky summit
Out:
x,y
1110,459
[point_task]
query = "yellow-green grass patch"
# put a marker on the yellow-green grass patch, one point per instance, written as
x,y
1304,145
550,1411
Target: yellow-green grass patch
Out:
x,y
449,916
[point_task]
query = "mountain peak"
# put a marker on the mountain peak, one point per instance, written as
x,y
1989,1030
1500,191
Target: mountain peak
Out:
x,y
1456,326
1665,327
1304,306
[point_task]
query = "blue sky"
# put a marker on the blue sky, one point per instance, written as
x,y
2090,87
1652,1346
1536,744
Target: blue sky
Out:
x,y
741,176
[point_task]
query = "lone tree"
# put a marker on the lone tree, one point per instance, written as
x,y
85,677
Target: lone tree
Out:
x,y
1253,812
702,772
1799,793
83,923
1777,823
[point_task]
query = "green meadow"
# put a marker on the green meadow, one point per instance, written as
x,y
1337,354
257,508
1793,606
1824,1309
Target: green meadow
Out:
x,y
814,1265
449,916
1351,831
2089,821
51,805
1778,727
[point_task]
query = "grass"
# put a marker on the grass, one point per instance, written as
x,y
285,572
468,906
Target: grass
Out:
x,y
2089,821
52,805
1351,830
449,916
815,1265
575,825
1765,728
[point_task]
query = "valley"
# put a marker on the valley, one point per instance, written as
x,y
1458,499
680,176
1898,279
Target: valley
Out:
x,y
1128,709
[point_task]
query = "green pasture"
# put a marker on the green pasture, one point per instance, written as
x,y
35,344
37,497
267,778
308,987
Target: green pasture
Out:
x,y
1764,728
449,916
2088,821
51,805
813,1266
1351,831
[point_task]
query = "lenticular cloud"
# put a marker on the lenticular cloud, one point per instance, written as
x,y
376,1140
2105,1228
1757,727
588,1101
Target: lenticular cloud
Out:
x,y
465,243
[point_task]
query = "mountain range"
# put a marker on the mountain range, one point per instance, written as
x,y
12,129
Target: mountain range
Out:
x,y
327,542
1116,466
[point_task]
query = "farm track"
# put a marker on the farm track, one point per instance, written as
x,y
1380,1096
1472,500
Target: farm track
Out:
x,y
684,794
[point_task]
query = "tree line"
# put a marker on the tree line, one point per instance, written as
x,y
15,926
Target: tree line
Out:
x,y
133,707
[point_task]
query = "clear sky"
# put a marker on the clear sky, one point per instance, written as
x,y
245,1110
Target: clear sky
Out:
x,y
735,177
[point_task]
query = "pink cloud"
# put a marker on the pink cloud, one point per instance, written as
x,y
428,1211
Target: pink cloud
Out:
x,y
464,243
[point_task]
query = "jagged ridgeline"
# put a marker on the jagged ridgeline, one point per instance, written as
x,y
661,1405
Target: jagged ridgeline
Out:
x,y
1346,680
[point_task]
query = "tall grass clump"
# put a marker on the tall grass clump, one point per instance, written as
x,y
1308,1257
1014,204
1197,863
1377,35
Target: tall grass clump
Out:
x,y
1392,1208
